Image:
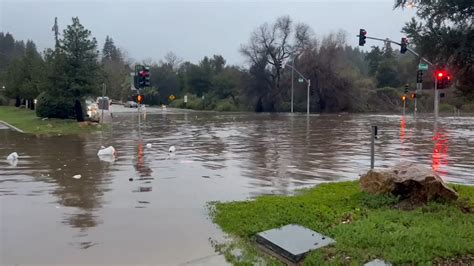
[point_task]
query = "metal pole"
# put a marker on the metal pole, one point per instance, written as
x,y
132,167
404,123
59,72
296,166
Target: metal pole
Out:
x,y
292,78
414,110
307,103
436,99
103,102
372,147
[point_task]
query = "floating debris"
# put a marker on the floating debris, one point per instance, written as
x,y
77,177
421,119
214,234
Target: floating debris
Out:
x,y
172,149
106,151
77,176
14,156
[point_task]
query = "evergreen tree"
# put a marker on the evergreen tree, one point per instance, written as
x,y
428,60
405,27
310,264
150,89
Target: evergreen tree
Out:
x,y
81,64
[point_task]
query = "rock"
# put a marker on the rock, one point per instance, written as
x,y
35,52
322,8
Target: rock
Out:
x,y
409,181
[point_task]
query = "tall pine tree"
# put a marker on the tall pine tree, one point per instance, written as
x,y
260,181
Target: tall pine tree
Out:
x,y
81,64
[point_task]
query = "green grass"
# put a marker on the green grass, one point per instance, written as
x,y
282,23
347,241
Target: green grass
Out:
x,y
27,121
364,226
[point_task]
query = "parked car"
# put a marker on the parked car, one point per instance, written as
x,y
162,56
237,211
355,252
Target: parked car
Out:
x,y
131,104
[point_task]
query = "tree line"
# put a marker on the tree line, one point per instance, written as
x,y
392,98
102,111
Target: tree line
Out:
x,y
343,78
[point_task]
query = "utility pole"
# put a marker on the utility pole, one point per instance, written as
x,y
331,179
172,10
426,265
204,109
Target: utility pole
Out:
x,y
307,103
292,81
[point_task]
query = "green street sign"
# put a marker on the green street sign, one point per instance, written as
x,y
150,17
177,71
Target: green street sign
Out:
x,y
423,67
300,80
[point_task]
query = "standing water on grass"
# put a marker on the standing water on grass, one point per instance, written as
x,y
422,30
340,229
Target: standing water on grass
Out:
x,y
147,205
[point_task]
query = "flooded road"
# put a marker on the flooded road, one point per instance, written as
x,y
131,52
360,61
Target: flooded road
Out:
x,y
160,217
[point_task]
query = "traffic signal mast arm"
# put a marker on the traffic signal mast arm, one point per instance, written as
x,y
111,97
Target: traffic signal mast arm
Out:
x,y
399,44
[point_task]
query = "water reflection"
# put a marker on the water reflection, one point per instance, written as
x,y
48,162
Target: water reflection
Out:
x,y
403,127
440,156
54,161
218,157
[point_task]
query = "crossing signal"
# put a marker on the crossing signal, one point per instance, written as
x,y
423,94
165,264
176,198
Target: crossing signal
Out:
x,y
362,37
403,45
404,98
140,99
413,96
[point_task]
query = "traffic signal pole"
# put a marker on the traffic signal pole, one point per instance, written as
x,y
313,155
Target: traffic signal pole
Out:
x,y
436,99
436,94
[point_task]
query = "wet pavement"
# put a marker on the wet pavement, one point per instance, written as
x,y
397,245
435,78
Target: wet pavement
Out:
x,y
160,217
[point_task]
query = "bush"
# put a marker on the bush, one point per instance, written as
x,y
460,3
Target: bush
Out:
x,y
178,103
468,108
226,105
54,106
446,108
3,100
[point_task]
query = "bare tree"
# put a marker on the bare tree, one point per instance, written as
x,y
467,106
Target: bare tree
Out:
x,y
172,60
272,44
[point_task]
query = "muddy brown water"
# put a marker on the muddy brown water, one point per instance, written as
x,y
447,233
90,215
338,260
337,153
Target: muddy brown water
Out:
x,y
48,217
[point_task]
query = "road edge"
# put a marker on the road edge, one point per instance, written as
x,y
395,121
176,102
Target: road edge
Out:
x,y
11,126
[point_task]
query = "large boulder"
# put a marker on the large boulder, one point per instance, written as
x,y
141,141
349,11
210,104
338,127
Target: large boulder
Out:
x,y
409,181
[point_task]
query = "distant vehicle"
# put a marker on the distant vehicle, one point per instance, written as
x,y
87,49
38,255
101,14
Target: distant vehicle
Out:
x,y
131,104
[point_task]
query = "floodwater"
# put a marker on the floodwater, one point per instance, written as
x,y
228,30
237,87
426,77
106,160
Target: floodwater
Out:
x,y
160,217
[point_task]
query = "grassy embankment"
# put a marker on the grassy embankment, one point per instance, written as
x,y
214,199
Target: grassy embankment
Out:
x,y
364,226
27,121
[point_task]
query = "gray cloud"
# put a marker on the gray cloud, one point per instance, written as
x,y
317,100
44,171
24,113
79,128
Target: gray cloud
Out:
x,y
193,29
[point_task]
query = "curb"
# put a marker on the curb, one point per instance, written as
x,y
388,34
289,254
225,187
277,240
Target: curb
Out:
x,y
11,126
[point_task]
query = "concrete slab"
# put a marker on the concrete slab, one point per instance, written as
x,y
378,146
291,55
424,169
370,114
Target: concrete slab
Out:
x,y
292,241
377,262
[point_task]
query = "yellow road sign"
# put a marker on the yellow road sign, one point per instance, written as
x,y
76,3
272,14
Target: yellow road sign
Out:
x,y
172,97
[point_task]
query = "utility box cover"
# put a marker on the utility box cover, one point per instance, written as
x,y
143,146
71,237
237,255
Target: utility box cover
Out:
x,y
292,241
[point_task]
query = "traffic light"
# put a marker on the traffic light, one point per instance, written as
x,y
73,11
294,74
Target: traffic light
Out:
x,y
279,64
419,76
362,36
142,75
443,79
413,96
403,45
406,88
140,99
404,98
147,76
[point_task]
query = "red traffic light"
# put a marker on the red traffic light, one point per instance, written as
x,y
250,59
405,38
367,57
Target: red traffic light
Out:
x,y
440,74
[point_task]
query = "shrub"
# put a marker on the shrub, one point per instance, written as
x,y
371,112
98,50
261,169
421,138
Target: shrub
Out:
x,y
468,108
54,106
225,105
446,108
3,100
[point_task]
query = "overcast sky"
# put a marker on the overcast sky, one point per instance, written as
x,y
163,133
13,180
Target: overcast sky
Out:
x,y
193,29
